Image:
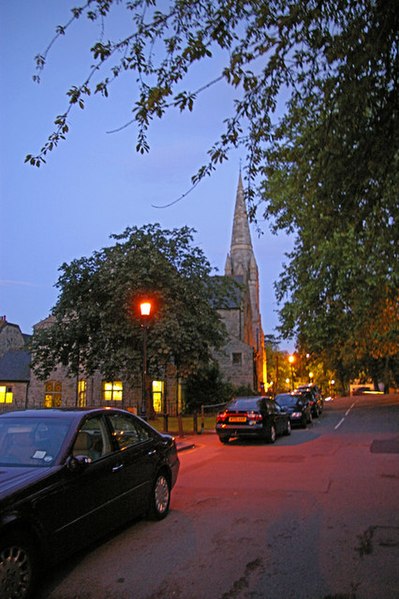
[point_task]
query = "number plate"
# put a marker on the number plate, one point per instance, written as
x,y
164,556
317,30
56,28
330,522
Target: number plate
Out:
x,y
237,419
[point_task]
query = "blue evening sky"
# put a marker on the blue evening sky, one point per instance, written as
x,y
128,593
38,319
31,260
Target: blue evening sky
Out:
x,y
95,184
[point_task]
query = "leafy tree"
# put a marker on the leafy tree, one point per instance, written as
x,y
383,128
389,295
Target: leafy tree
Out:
x,y
95,324
316,110
327,59
207,387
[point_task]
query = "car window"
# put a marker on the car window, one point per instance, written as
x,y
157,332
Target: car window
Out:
x,y
271,406
243,405
127,430
31,441
92,440
286,400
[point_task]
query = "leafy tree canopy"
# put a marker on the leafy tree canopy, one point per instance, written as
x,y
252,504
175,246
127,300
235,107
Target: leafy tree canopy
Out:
x,y
317,113
96,326
207,387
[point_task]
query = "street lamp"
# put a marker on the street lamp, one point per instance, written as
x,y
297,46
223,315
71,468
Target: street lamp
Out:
x,y
311,377
291,360
145,313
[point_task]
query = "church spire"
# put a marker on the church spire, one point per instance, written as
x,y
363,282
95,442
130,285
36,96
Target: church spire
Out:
x,y
241,237
241,265
241,252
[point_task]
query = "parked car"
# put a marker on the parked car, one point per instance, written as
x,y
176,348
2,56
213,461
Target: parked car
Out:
x,y
297,406
361,391
69,477
252,417
313,393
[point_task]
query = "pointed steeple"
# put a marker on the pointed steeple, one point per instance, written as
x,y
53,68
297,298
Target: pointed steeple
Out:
x,y
241,264
241,236
241,252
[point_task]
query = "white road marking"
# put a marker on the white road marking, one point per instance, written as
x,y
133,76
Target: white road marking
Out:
x,y
346,414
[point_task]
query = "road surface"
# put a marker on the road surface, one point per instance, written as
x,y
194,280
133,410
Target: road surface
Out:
x,y
314,516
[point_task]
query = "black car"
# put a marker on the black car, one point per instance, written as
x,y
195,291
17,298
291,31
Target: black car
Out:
x,y
297,406
313,394
69,477
252,417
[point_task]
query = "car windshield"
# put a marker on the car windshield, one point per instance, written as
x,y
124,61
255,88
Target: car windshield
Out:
x,y
31,441
244,404
307,395
287,401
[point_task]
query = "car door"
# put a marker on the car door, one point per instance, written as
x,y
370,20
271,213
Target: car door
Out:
x,y
278,416
139,458
89,501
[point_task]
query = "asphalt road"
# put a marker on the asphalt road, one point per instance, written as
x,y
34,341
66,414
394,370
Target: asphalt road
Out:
x,y
314,516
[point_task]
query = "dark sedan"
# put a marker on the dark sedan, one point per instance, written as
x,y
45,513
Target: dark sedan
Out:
x,y
69,477
297,406
252,417
313,394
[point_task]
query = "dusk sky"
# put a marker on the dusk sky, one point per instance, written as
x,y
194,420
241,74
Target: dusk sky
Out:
x,y
95,184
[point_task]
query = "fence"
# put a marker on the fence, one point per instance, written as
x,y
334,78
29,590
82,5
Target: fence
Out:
x,y
209,410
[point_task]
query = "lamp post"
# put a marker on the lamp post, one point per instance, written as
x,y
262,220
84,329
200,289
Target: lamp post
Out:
x,y
145,313
291,360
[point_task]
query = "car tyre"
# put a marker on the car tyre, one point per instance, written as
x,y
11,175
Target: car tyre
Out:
x,y
224,439
272,434
18,565
288,428
160,498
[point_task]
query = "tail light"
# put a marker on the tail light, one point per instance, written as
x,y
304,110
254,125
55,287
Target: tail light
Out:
x,y
255,417
221,417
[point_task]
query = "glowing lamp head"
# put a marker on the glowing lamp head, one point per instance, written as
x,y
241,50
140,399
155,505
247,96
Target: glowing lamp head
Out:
x,y
145,308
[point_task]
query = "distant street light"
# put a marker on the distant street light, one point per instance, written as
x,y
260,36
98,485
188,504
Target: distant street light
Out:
x,y
145,313
310,377
291,360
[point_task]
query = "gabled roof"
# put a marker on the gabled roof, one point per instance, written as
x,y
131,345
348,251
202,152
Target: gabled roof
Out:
x,y
15,366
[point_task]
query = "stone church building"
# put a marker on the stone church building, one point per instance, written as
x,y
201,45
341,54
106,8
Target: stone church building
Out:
x,y
242,361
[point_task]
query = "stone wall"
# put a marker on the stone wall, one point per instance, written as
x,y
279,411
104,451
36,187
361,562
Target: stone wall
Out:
x,y
11,337
239,374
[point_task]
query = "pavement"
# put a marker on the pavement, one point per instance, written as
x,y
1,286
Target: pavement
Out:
x,y
186,442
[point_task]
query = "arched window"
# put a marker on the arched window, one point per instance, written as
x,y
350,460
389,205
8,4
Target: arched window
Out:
x,y
52,394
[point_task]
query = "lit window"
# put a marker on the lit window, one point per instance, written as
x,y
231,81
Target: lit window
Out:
x,y
157,395
6,394
237,358
52,394
112,390
82,394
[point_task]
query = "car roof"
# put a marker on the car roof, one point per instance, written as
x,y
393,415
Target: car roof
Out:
x,y
251,397
71,413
